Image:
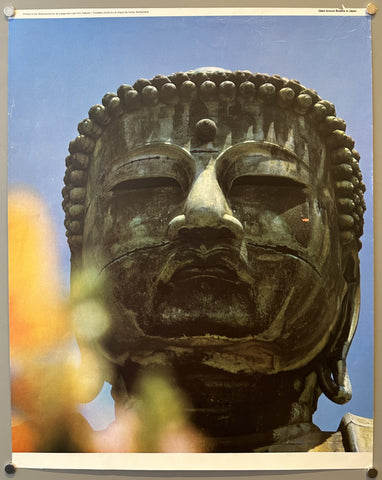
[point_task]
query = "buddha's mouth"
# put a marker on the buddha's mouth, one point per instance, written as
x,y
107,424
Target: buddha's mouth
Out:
x,y
203,293
218,273
222,264
227,291
217,292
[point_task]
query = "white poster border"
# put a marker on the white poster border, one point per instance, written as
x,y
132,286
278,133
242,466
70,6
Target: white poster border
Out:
x,y
184,12
195,461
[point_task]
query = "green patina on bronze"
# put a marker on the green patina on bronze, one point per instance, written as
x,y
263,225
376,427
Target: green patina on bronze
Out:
x,y
223,211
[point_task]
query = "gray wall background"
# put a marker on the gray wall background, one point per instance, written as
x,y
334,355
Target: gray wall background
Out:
x,y
5,435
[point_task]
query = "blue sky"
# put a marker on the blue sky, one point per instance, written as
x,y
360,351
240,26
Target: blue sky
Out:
x,y
59,68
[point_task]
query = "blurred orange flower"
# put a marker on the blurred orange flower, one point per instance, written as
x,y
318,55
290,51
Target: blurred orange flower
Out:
x,y
43,374
38,319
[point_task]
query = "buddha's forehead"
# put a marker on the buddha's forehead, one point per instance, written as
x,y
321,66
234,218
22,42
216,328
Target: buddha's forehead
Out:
x,y
209,132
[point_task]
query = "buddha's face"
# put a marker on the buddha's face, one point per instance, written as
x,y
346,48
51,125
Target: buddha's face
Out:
x,y
229,254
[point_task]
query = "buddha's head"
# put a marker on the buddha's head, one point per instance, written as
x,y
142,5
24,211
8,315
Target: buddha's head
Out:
x,y
223,211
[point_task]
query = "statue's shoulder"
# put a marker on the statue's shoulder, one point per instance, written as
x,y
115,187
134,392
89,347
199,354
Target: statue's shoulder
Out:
x,y
357,433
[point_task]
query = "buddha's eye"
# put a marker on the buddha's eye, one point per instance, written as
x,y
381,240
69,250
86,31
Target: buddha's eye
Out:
x,y
147,183
147,193
265,181
274,192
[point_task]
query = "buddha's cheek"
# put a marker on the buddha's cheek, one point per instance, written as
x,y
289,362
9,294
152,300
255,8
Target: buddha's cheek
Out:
x,y
118,227
297,309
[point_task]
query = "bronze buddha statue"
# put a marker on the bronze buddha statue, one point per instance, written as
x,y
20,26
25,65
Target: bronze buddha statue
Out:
x,y
223,211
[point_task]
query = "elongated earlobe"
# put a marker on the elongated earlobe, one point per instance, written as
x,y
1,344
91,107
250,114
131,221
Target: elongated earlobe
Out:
x,y
332,372
335,381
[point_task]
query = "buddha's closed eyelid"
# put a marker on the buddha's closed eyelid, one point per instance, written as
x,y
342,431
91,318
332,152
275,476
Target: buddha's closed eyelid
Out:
x,y
267,180
261,168
145,183
150,172
273,190
264,182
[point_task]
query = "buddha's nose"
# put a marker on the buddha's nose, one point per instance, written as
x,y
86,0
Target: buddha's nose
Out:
x,y
206,208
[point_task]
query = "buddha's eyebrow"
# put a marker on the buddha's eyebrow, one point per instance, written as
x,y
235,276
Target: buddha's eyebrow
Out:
x,y
155,157
198,150
254,154
156,152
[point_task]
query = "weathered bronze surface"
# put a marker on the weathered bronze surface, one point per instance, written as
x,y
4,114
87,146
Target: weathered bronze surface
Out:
x,y
223,211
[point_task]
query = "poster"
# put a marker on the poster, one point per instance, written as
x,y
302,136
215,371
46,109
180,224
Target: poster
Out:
x,y
53,84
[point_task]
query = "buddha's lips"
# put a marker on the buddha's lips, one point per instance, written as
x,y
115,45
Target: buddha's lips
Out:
x,y
218,272
220,263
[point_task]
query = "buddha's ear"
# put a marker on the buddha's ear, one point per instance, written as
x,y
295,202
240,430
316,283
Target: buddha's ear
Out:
x,y
332,372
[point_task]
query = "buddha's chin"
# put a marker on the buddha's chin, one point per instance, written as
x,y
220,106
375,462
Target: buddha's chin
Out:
x,y
217,347
209,355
